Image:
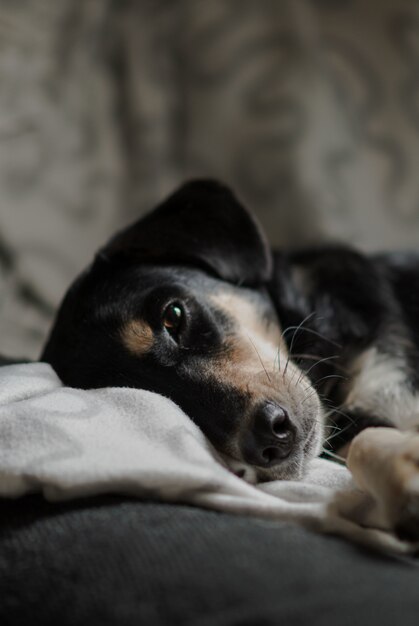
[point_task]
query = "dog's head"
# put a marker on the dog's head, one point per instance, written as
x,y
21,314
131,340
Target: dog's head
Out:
x,y
177,304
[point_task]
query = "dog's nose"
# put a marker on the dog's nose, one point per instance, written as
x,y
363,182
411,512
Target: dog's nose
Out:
x,y
270,438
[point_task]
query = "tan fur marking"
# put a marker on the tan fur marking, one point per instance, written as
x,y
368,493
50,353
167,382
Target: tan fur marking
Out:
x,y
265,337
255,356
137,337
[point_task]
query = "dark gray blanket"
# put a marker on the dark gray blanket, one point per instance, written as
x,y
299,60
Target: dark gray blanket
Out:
x,y
119,562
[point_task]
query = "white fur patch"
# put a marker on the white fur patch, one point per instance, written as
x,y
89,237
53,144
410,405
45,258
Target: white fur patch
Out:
x,y
379,387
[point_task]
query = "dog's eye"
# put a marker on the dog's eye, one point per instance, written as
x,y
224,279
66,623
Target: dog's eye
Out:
x,y
173,317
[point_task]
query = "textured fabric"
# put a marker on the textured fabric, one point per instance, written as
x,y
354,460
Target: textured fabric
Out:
x,y
308,108
115,562
68,443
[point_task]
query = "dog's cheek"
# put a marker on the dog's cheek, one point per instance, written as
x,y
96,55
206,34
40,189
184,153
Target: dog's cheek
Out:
x,y
209,400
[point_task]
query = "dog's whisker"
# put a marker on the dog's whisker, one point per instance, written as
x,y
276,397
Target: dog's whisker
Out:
x,y
330,427
286,366
339,432
299,327
314,357
311,330
303,355
288,328
340,412
277,360
296,330
334,456
309,396
310,390
321,379
260,359
293,376
317,382
326,358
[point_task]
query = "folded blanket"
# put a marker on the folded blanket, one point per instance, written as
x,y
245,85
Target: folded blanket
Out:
x,y
68,443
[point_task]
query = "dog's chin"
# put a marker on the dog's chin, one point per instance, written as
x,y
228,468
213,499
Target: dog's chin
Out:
x,y
293,469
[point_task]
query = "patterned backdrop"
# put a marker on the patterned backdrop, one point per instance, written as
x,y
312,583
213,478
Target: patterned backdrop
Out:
x,y
309,108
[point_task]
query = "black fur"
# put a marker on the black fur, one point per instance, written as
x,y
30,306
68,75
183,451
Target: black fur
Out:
x,y
201,225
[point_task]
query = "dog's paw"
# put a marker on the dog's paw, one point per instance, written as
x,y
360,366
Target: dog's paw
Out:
x,y
406,486
385,464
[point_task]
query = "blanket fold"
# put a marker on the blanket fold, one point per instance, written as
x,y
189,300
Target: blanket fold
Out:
x,y
67,443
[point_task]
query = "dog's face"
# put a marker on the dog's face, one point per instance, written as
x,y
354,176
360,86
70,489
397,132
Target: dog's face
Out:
x,y
177,304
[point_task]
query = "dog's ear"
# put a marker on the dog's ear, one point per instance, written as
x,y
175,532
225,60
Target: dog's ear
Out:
x,y
201,224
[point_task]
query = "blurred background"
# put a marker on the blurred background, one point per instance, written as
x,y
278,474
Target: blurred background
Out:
x,y
308,108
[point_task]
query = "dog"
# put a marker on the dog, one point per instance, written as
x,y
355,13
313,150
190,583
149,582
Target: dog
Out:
x,y
275,355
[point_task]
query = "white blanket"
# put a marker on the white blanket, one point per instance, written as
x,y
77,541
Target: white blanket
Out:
x,y
68,443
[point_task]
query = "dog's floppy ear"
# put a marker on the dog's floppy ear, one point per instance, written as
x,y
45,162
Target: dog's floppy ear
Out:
x,y
201,224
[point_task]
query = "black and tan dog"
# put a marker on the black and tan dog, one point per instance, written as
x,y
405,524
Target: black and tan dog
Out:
x,y
259,348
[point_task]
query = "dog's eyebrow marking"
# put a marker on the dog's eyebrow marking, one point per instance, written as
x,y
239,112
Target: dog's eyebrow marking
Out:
x,y
256,334
252,346
137,337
